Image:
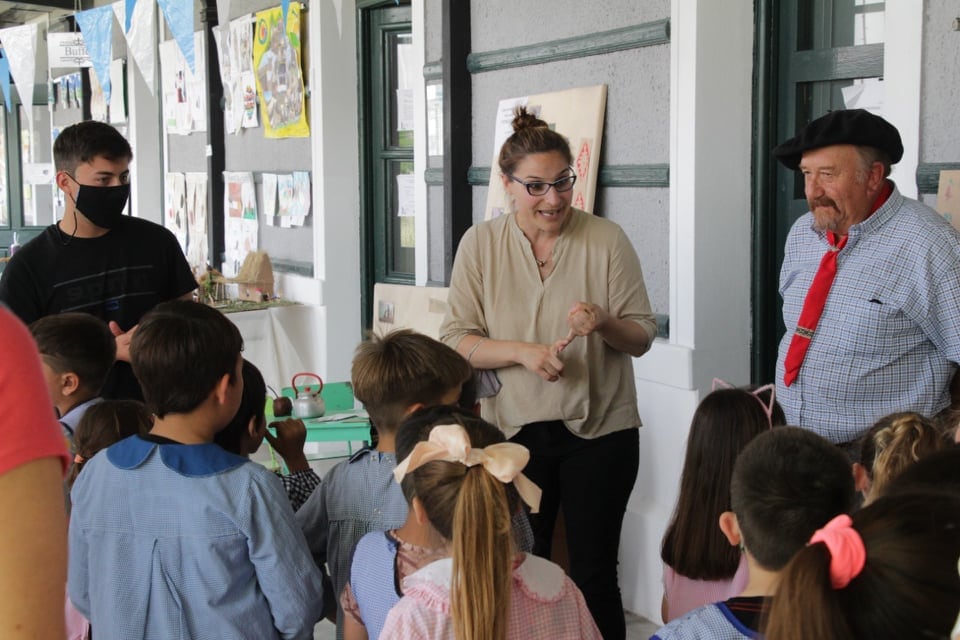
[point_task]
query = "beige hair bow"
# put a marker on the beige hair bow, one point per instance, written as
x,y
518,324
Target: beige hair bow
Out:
x,y
450,443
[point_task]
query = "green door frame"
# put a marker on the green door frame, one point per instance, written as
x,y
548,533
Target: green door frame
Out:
x,y
376,20
789,92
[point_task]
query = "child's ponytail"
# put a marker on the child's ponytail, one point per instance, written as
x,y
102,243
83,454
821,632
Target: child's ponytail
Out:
x,y
482,558
805,593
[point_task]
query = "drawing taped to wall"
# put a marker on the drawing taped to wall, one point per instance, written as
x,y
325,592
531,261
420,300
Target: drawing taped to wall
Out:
x,y
197,222
578,115
175,209
276,60
240,219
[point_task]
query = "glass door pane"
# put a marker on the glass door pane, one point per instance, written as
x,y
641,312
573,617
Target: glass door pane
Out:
x,y
36,158
4,198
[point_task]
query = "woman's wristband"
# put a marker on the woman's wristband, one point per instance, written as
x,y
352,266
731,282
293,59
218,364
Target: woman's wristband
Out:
x,y
474,348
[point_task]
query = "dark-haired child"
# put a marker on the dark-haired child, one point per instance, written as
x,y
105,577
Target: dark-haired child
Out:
x,y
887,573
699,567
248,428
77,351
106,423
393,376
786,484
102,425
172,536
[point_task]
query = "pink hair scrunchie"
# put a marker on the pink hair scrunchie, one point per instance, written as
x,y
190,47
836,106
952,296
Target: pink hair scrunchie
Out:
x,y
847,553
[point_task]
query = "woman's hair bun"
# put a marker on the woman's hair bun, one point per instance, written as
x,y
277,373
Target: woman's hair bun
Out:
x,y
523,119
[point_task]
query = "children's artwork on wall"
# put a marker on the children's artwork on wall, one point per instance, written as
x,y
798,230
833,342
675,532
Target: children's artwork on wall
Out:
x,y
175,209
184,92
248,99
948,196
197,222
269,197
285,199
173,83
98,101
276,60
578,115
301,197
197,83
240,223
235,58
118,96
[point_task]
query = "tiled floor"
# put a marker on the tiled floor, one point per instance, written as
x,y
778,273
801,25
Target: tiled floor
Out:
x,y
637,629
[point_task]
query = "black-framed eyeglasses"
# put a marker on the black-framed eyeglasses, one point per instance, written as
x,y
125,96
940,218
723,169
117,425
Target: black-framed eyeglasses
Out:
x,y
541,188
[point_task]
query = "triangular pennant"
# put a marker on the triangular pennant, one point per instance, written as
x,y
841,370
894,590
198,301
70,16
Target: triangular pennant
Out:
x,y
5,82
285,5
96,25
141,38
223,11
179,17
20,47
128,14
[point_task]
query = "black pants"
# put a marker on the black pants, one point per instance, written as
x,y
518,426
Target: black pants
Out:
x,y
591,481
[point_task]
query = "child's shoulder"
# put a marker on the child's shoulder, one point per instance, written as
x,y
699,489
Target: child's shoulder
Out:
x,y
364,463
710,622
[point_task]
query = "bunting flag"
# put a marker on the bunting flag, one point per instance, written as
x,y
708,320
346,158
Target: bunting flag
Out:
x,y
179,17
5,81
128,14
141,38
20,48
96,25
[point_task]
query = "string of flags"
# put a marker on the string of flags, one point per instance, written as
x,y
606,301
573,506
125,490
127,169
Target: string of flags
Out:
x,y
137,18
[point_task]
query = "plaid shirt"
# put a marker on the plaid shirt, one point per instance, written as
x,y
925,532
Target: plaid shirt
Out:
x,y
357,496
299,485
889,336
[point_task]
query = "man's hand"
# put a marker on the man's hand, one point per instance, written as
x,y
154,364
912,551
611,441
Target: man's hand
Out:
x,y
123,339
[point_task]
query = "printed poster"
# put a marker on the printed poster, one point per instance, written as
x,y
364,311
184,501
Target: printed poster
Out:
x,y
240,219
578,115
276,61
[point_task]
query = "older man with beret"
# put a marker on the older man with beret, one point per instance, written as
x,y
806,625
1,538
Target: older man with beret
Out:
x,y
870,285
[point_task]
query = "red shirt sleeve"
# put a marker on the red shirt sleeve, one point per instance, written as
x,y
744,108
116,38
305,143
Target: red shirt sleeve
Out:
x,y
28,425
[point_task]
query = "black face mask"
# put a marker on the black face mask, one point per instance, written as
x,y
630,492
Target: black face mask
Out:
x,y
103,206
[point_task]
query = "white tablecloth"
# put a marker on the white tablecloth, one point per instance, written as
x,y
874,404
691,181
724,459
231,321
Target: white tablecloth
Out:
x,y
281,341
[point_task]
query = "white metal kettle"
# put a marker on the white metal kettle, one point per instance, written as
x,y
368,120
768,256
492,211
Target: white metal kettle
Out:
x,y
308,403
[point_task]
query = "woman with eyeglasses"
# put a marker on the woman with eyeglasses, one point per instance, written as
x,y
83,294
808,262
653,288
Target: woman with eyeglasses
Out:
x,y
551,300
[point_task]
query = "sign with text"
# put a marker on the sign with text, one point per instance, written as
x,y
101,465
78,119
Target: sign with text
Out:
x,y
67,50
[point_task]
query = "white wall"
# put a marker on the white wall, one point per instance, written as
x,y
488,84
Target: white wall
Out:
x,y
710,142
336,187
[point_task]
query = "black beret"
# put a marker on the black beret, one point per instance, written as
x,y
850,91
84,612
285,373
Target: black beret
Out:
x,y
851,126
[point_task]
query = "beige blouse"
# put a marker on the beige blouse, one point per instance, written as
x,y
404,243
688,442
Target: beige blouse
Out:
x,y
496,291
